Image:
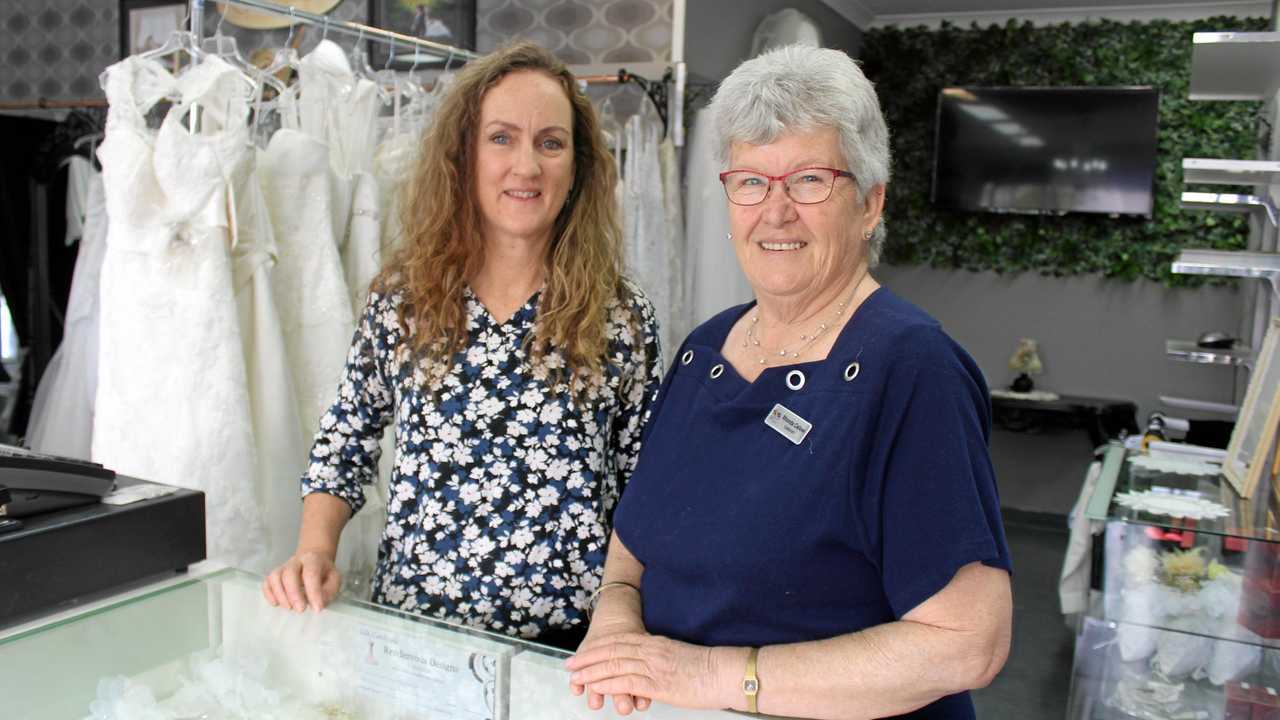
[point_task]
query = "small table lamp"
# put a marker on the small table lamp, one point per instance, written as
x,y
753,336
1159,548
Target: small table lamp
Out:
x,y
1026,362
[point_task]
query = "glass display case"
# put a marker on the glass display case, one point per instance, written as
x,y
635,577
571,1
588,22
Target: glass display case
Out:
x,y
211,648
1186,623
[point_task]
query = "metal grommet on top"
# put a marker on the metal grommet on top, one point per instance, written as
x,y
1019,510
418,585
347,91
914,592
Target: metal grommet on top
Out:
x,y
852,371
687,357
717,371
795,379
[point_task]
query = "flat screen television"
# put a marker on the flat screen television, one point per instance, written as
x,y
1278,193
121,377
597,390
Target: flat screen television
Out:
x,y
1046,150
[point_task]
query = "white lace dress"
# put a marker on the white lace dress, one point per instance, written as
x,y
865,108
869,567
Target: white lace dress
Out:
x,y
713,278
342,109
308,279
278,435
61,420
172,403
645,236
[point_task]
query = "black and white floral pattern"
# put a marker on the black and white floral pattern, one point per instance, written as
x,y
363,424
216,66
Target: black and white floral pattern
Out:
x,y
499,503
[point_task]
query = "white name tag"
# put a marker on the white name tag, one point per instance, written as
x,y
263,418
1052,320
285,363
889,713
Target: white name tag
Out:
x,y
790,425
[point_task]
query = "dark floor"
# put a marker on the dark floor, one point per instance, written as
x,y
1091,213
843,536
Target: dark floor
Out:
x,y
1037,678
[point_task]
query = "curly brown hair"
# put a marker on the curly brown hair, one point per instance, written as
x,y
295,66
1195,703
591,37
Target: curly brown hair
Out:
x,y
441,247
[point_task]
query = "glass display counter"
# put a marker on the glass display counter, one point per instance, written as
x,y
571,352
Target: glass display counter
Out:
x,y
212,648
1186,625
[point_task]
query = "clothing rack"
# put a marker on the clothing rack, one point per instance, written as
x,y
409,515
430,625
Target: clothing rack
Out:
x,y
357,30
655,90
669,102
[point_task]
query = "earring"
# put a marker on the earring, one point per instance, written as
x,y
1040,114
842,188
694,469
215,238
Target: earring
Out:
x,y
867,235
728,236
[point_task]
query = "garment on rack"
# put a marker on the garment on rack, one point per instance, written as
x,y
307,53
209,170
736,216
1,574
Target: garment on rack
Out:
x,y
342,109
80,175
713,277
278,435
645,236
308,279
678,325
172,401
393,167
61,420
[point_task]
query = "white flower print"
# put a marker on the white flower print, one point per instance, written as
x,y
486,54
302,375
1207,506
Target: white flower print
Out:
x,y
501,481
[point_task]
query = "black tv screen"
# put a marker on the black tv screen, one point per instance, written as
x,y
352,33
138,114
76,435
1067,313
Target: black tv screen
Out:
x,y
1046,150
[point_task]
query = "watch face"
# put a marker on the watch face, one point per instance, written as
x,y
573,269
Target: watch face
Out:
x,y
750,686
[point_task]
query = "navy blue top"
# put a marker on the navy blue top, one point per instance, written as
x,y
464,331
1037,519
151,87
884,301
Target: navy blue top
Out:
x,y
748,539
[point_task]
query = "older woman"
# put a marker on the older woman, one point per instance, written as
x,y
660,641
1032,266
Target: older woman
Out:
x,y
516,362
813,528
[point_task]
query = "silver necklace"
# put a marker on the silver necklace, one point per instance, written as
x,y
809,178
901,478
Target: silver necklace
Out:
x,y
752,339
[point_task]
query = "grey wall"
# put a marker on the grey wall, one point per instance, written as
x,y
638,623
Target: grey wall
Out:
x,y
1097,337
718,32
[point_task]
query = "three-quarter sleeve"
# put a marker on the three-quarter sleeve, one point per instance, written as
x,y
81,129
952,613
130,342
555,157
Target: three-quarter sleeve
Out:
x,y
643,371
345,453
933,506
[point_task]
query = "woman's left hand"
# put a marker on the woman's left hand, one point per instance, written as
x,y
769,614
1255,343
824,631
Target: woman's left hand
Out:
x,y
673,672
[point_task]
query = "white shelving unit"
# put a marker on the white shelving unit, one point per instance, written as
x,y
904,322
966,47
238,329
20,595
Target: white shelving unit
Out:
x,y
1205,171
1229,263
1189,351
1231,203
1235,65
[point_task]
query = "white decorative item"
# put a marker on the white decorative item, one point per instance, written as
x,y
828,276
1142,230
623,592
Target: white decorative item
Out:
x,y
1172,466
1178,506
785,27
1181,653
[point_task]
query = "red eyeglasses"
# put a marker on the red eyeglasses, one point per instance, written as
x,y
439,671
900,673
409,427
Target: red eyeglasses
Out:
x,y
806,186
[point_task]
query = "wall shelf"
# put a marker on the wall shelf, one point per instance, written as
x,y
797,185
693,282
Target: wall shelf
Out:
x,y
1235,65
1189,351
1230,263
1230,172
1230,203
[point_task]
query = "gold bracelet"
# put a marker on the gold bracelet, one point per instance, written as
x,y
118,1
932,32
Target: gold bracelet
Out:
x,y
595,596
750,682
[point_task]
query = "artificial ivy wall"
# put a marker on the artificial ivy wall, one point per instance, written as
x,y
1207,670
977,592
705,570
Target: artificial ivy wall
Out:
x,y
909,66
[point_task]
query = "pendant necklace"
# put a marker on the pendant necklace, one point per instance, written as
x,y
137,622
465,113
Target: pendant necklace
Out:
x,y
752,339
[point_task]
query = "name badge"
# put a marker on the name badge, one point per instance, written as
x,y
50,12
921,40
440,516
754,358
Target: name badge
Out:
x,y
790,425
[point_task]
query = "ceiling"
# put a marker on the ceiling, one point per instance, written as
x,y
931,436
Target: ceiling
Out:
x,y
878,13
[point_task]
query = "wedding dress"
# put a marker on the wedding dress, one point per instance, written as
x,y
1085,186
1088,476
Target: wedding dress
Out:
x,y
278,435
645,236
713,277
61,421
172,402
308,279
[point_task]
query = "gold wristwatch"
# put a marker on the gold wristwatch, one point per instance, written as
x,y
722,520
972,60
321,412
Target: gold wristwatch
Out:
x,y
751,683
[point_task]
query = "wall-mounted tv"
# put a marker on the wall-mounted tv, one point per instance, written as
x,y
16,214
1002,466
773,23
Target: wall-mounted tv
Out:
x,y
1046,150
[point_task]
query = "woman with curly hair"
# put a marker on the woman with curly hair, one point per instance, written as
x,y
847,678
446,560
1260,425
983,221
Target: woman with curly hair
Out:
x,y
514,359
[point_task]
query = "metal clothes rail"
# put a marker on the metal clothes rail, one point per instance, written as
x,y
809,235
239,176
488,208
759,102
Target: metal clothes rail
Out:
x,y
354,29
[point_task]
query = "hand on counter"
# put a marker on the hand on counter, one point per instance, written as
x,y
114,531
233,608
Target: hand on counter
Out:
x,y
309,578
649,667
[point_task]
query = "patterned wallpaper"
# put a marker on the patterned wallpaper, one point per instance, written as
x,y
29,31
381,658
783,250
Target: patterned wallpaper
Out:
x,y
579,31
57,48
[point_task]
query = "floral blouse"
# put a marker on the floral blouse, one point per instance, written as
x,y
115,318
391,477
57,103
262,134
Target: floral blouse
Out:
x,y
500,501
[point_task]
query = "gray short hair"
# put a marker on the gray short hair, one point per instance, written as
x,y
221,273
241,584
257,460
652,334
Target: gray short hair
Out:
x,y
798,87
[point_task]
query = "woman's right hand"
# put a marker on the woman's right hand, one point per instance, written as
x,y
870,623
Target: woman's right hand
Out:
x,y
309,578
601,629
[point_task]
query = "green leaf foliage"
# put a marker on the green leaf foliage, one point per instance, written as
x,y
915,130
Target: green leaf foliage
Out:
x,y
910,65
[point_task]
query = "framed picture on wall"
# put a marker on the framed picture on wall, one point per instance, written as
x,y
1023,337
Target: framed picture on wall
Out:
x,y
147,24
1256,427
449,22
